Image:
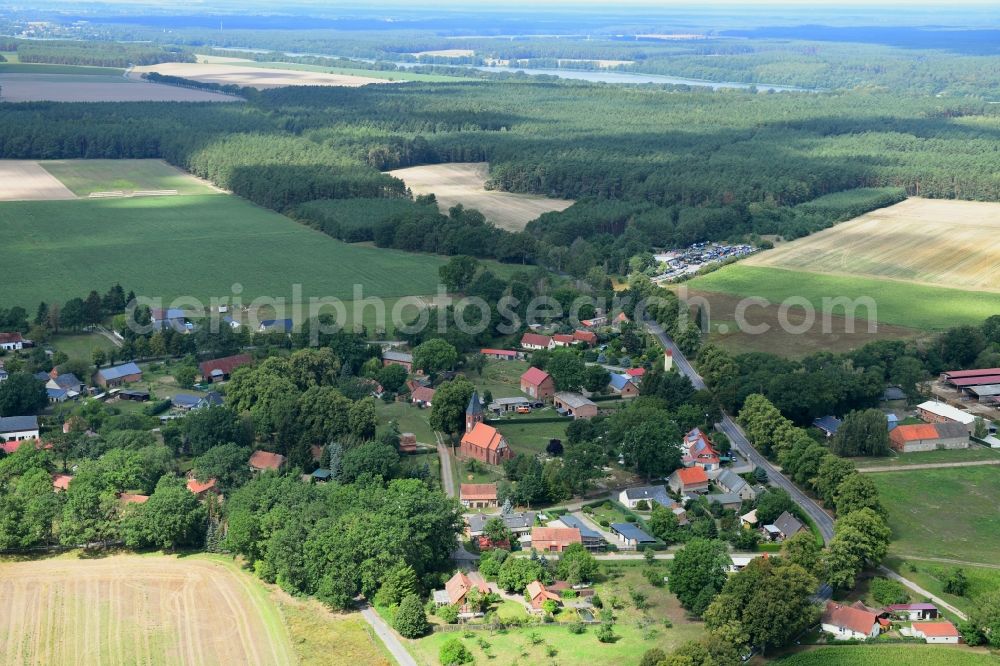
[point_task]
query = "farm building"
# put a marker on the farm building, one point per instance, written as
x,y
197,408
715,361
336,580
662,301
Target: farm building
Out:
x,y
478,495
18,428
11,342
599,320
133,395
220,369
538,384
502,354
987,394
689,480
398,358
961,379
422,395
574,404
265,460
623,385
508,405
630,497
535,341
554,539
938,412
929,437
118,375
936,632
630,537
846,622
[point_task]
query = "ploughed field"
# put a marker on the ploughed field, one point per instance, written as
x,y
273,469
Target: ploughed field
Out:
x,y
254,76
64,83
52,180
129,609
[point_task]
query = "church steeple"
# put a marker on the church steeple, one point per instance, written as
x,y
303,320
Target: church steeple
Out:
x,y
474,412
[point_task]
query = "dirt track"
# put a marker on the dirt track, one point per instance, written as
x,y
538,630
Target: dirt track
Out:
x,y
129,609
26,180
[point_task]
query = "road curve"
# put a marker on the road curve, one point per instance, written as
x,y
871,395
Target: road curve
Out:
x,y
741,444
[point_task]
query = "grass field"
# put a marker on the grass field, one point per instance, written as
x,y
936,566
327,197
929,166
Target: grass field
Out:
x,y
944,513
56,85
128,609
198,246
897,303
322,638
527,437
410,419
932,576
894,655
80,346
970,454
463,183
930,241
85,176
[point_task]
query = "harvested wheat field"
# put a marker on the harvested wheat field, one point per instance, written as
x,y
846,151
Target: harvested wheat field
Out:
x,y
938,242
464,183
26,180
82,88
130,609
254,77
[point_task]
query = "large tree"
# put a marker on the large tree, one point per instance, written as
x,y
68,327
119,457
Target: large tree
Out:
x,y
567,369
651,449
450,401
435,355
21,394
863,433
171,517
698,573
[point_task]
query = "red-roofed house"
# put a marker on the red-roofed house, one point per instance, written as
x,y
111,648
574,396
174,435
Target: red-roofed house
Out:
x,y
845,622
699,452
485,444
61,482
422,395
220,369
262,460
201,488
599,320
535,341
588,338
538,384
538,595
501,354
554,539
456,589
636,373
563,340
11,341
478,495
936,632
689,480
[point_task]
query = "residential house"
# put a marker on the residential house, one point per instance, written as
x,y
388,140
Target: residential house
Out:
x,y
894,394
623,385
3,375
478,495
574,404
630,536
403,359
117,375
161,319
407,442
699,452
18,428
265,460
220,369
913,612
591,539
588,338
60,482
936,632
630,497
846,623
502,354
275,326
563,340
202,488
938,412
11,342
828,424
733,483
785,527
538,384
688,480
636,374
58,395
520,524
185,401
537,595
68,382
929,437
749,520
456,590
726,500
599,320
535,341
554,539
423,396
740,562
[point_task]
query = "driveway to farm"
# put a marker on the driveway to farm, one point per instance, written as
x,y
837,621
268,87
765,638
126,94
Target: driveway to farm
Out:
x,y
945,560
904,468
447,478
742,445
388,636
921,591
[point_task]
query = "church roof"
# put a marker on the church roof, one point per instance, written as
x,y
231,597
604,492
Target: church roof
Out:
x,y
475,407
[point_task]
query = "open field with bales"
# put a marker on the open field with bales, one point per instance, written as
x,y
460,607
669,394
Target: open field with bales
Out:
x,y
897,303
194,245
128,609
254,75
925,515
897,655
84,177
940,242
18,86
464,183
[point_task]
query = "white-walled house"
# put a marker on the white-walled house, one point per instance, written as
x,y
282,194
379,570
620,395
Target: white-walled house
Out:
x,y
17,428
846,622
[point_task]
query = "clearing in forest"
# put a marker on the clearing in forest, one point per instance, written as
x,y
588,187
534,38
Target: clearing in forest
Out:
x,y
464,183
253,76
939,242
130,609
